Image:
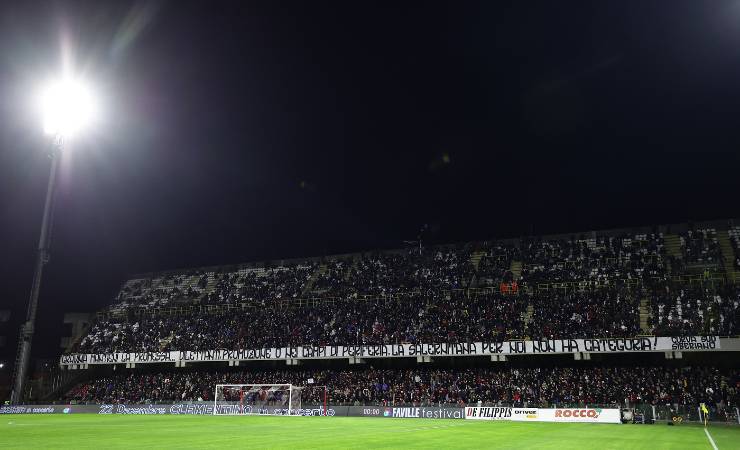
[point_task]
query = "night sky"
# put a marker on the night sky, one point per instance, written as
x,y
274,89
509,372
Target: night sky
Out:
x,y
243,131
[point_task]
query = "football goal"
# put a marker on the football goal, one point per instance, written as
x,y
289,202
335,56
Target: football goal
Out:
x,y
265,399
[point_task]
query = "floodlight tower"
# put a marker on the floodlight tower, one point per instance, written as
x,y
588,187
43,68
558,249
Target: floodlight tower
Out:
x,y
66,107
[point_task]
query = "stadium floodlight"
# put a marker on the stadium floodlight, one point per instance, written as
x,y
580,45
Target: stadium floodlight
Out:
x,y
66,106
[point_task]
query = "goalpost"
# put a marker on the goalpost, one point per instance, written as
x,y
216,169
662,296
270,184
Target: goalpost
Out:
x,y
263,399
322,396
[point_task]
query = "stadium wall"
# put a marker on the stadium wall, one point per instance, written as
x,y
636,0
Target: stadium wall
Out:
x,y
503,413
592,415
206,408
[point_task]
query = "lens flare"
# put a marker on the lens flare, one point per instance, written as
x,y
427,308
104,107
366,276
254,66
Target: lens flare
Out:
x,y
67,107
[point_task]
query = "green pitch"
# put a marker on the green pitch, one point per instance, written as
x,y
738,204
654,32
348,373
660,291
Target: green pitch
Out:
x,y
159,432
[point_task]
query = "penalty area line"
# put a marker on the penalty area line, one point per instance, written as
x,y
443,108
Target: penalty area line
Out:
x,y
711,441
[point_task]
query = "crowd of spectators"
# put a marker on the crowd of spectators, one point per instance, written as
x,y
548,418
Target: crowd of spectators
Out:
x,y
701,246
585,258
216,287
429,316
372,274
385,274
419,317
425,295
696,310
597,259
734,235
594,313
163,290
332,281
495,263
258,284
368,386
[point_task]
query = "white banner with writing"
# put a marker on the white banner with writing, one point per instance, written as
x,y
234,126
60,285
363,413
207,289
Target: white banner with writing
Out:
x,y
552,346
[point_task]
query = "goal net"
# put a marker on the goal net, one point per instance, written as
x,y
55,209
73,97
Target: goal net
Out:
x,y
265,399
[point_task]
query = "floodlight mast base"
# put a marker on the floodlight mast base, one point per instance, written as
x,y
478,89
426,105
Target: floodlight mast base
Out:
x,y
23,357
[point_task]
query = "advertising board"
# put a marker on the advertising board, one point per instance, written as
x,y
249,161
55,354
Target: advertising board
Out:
x,y
488,413
584,415
419,412
525,414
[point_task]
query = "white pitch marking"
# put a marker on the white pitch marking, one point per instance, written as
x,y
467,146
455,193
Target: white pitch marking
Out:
x,y
711,441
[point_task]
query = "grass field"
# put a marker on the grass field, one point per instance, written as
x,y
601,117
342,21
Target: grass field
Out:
x,y
155,432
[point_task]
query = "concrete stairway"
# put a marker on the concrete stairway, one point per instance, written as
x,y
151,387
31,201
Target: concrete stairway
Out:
x,y
192,282
475,258
645,314
163,343
156,284
527,319
728,255
673,245
308,287
212,280
351,269
516,269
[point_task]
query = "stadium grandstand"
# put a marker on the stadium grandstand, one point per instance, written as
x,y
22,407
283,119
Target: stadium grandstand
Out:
x,y
396,328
